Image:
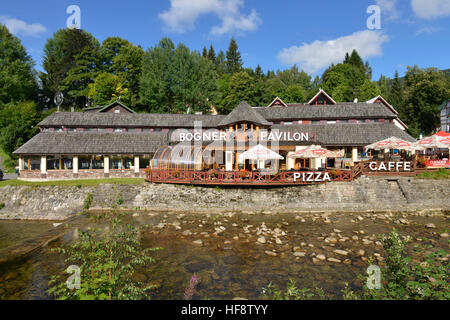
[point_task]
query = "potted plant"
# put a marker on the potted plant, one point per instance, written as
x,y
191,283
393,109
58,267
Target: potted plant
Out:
x,y
213,174
245,174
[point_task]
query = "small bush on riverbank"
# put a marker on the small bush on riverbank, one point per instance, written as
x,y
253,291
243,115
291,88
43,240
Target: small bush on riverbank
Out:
x,y
88,201
107,259
400,279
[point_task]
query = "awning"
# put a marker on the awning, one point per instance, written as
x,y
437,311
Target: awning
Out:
x,y
393,143
259,152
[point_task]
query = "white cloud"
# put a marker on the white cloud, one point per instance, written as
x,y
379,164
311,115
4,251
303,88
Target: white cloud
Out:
x,y
182,14
388,9
431,9
427,30
19,27
314,56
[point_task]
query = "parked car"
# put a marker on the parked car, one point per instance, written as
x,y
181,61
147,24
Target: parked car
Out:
x,y
1,175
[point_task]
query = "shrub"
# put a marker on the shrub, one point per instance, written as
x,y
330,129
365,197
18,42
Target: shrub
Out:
x,y
88,201
107,259
2,205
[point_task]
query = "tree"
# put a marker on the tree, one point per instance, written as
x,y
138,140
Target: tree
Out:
x,y
241,88
173,79
234,60
80,76
127,65
17,75
274,87
108,88
18,124
155,83
60,57
343,81
220,63
212,54
425,91
368,90
110,49
294,94
205,53
293,76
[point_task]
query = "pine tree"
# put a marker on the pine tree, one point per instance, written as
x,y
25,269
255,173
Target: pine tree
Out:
x,y
234,59
212,54
205,53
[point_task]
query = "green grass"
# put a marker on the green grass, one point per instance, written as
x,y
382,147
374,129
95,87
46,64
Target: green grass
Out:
x,y
441,174
72,183
9,165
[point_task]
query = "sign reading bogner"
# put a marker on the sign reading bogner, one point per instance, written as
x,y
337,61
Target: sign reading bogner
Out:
x,y
390,166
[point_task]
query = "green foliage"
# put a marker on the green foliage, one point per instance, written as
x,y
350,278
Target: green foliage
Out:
x,y
17,124
2,205
404,280
271,292
440,174
241,88
87,201
72,54
108,259
17,76
174,79
108,88
234,59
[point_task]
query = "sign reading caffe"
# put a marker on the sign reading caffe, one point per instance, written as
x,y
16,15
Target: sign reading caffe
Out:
x,y
391,166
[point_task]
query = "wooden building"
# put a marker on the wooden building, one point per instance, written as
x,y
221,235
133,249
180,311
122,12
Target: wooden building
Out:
x,y
114,141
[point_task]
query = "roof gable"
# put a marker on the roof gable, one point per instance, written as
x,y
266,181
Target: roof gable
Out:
x,y
321,98
277,102
383,101
114,104
244,113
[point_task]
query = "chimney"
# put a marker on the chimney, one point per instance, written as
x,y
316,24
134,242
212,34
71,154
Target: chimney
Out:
x,y
355,101
199,113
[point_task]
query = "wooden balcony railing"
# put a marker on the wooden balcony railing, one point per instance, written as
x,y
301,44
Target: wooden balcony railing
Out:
x,y
247,177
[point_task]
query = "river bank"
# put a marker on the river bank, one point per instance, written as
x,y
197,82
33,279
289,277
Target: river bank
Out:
x,y
364,194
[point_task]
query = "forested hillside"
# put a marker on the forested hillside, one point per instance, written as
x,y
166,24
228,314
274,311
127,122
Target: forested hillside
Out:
x,y
169,78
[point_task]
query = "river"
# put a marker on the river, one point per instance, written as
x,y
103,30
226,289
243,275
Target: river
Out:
x,y
233,254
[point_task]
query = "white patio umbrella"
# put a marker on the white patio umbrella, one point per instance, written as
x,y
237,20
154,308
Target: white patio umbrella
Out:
x,y
393,143
259,152
434,142
314,151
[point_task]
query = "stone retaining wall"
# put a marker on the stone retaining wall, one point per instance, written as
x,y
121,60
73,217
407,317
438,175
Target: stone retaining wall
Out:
x,y
363,194
54,175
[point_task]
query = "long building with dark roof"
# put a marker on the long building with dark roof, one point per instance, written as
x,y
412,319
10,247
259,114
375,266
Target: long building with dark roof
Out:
x,y
114,141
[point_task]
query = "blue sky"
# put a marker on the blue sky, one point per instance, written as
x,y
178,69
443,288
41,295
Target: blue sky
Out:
x,y
274,34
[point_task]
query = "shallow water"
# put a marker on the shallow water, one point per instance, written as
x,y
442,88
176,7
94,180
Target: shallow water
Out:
x,y
229,263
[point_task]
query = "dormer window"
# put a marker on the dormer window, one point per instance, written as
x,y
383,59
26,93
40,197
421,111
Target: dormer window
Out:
x,y
117,111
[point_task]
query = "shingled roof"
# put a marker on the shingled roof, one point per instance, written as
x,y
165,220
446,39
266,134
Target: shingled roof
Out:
x,y
75,143
349,134
80,119
244,113
328,112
